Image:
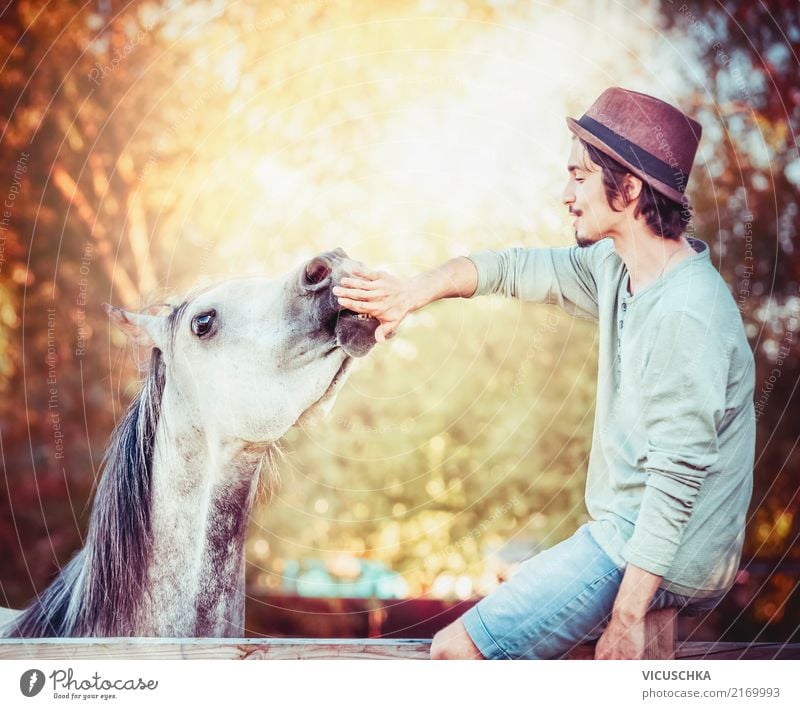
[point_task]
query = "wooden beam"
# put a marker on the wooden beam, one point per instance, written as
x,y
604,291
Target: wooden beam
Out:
x,y
214,649
738,651
660,634
302,649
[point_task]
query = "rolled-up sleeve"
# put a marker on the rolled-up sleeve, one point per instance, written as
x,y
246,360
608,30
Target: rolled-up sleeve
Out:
x,y
683,400
562,276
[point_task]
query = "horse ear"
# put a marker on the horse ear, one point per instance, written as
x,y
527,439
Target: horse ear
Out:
x,y
143,330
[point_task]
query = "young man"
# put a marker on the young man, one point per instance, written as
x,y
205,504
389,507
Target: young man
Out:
x,y
670,471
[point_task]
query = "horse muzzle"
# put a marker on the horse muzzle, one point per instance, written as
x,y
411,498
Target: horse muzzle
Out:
x,y
353,332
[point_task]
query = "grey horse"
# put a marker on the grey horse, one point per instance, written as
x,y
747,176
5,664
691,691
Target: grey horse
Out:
x,y
231,369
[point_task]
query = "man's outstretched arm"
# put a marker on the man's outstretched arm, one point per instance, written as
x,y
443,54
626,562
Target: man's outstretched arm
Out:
x,y
389,298
561,276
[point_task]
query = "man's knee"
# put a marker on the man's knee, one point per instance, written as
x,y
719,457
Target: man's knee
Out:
x,y
440,649
454,643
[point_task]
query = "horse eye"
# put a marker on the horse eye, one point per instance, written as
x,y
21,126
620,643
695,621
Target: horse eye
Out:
x,y
202,324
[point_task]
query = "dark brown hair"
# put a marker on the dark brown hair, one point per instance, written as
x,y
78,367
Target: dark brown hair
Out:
x,y
664,216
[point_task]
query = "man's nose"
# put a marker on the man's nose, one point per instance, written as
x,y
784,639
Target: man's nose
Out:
x,y
568,194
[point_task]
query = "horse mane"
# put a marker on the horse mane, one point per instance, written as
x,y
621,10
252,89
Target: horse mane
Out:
x,y
97,592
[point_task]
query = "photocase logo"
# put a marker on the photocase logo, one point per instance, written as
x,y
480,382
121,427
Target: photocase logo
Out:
x,y
31,682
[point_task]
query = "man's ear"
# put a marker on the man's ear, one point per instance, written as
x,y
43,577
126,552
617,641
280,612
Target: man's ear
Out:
x,y
143,330
632,186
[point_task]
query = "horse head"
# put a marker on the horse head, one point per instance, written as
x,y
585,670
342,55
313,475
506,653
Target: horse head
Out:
x,y
247,358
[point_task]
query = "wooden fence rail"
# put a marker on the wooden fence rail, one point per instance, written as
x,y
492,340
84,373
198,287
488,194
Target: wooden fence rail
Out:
x,y
334,649
660,644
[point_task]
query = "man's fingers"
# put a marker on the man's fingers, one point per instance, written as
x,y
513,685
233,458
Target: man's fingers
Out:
x,y
367,273
356,294
358,306
382,332
347,282
385,331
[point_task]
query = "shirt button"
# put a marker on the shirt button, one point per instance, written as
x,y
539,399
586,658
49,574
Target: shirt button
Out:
x,y
624,306
620,324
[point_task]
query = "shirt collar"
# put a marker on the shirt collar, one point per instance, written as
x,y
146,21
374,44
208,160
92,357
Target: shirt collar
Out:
x,y
701,253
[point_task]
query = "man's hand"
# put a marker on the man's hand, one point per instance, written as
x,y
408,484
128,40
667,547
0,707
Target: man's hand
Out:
x,y
622,640
379,294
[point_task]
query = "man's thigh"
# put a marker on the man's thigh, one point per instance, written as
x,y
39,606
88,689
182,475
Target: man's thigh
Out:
x,y
556,600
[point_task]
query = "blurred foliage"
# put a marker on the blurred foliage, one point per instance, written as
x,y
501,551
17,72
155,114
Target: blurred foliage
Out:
x,y
152,145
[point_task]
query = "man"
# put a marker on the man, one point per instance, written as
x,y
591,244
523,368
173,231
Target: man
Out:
x,y
670,471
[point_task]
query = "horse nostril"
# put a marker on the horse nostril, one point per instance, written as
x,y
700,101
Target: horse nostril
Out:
x,y
317,270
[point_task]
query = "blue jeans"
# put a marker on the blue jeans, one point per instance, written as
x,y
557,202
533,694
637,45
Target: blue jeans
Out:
x,y
558,599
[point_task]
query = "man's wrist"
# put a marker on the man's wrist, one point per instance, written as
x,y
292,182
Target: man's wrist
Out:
x,y
422,291
628,614
456,278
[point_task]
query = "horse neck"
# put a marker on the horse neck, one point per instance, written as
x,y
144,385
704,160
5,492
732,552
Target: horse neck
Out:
x,y
164,551
202,493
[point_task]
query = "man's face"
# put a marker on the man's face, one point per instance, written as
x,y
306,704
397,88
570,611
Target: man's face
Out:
x,y
586,199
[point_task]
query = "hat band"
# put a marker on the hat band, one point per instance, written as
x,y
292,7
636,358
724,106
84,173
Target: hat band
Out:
x,y
646,161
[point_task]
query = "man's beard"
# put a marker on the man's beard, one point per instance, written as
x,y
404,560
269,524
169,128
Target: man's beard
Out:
x,y
581,241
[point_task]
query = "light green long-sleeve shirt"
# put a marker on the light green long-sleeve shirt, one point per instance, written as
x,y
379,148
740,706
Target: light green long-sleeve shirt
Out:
x,y
671,466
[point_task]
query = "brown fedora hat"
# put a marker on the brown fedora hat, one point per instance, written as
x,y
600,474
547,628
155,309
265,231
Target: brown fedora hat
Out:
x,y
653,139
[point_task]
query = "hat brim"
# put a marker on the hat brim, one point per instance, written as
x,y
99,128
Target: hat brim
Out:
x,y
655,183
